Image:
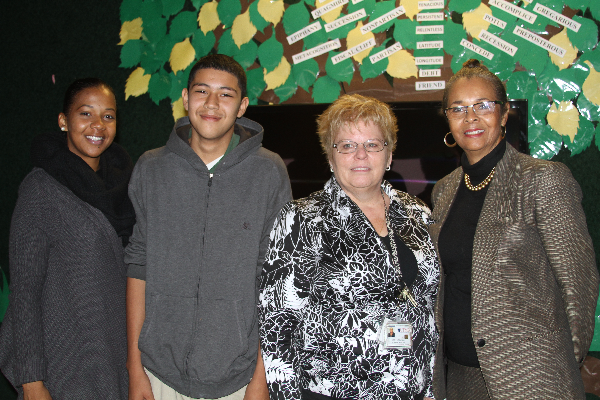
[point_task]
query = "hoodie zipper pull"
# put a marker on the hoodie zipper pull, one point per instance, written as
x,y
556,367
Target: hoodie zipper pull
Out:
x,y
210,180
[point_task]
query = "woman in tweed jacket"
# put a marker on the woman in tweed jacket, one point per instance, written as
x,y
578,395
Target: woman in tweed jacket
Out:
x,y
519,285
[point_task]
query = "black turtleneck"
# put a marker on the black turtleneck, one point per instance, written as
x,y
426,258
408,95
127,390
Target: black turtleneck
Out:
x,y
455,245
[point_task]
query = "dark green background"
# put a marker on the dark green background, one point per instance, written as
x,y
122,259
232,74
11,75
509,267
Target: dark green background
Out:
x,y
73,39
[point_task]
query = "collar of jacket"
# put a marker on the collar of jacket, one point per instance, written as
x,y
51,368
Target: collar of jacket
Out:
x,y
341,201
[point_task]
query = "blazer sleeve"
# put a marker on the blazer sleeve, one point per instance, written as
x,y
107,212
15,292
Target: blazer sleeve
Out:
x,y
562,227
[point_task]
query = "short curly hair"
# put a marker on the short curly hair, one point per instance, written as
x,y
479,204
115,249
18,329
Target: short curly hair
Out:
x,y
352,109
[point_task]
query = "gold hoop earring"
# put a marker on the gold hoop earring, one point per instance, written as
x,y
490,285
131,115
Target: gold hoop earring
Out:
x,y
446,141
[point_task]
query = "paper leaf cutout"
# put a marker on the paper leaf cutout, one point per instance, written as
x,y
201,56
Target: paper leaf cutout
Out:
x,y
582,140
137,83
538,109
461,6
595,10
172,7
287,90
473,21
342,71
369,70
226,44
279,75
587,37
591,86
148,59
255,83
528,54
178,83
257,20
270,53
178,109
314,39
182,55
159,86
520,85
341,32
562,40
228,10
208,17
381,8
325,90
202,43
183,25
577,4
271,10
402,65
247,54
355,37
566,85
411,8
368,5
564,118
544,143
331,15
198,3
130,10
154,30
242,30
151,10
295,18
587,109
130,53
305,73
404,32
131,30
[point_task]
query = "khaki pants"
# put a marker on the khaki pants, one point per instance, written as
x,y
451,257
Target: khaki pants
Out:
x,y
164,392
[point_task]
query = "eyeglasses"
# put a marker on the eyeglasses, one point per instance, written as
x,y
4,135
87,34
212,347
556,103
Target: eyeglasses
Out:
x,y
481,108
348,146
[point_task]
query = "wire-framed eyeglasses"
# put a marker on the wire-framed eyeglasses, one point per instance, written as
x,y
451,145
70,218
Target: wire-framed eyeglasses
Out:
x,y
482,108
348,146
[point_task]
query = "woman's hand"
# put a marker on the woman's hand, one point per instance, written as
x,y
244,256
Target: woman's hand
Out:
x,y
36,391
139,385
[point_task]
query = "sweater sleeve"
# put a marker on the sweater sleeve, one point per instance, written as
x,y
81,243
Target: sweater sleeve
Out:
x,y
283,295
135,252
29,248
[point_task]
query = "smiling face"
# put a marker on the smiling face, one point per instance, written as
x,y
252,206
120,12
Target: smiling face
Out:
x,y
360,171
90,123
477,135
213,103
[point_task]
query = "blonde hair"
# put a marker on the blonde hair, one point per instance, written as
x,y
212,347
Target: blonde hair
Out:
x,y
352,109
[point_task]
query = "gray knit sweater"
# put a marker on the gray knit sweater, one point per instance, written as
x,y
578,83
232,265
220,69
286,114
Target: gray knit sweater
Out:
x,y
65,324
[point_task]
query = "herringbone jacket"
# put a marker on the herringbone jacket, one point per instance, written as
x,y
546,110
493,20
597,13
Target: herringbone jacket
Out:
x,y
534,280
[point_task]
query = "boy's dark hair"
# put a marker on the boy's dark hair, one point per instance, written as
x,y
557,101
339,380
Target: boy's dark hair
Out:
x,y
220,62
79,85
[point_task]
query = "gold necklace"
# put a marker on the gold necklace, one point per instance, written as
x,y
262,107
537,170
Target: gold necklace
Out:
x,y
482,184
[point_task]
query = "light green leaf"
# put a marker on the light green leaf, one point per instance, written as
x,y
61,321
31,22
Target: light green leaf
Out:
x,y
270,53
296,17
305,73
131,53
257,20
287,90
183,26
325,90
342,71
202,43
159,86
247,54
172,7
228,10
587,36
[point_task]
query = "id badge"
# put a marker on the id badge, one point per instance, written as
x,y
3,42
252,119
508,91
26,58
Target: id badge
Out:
x,y
396,334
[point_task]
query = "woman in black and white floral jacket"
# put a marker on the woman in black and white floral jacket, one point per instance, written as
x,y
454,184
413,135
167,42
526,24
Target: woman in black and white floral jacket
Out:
x,y
345,312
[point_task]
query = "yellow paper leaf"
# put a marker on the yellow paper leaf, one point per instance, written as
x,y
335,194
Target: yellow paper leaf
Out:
x,y
279,75
331,15
178,109
473,21
137,83
411,8
271,10
242,30
356,37
564,119
562,40
182,55
208,18
591,86
402,65
131,30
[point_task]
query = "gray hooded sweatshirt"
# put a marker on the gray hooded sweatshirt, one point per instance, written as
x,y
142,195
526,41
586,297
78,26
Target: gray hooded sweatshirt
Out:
x,y
199,243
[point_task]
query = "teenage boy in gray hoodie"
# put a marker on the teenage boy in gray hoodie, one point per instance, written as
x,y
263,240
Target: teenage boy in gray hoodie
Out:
x,y
205,205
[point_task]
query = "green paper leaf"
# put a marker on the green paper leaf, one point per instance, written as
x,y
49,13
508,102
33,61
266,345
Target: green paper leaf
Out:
x,y
296,17
368,5
178,83
539,105
595,10
459,59
163,48
342,71
159,86
577,4
130,10
583,139
287,90
545,77
381,8
368,69
310,2
587,36
148,59
462,6
404,32
528,54
325,90
305,73
151,10
202,43
541,22
453,35
226,44
341,32
199,3
4,291
172,7
257,20
593,57
270,53
587,109
183,26
502,64
520,85
247,54
565,85
154,30
131,53
255,83
228,10
546,143
314,39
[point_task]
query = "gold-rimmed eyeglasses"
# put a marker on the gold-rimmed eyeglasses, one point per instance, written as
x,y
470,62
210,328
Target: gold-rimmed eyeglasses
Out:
x,y
348,146
482,108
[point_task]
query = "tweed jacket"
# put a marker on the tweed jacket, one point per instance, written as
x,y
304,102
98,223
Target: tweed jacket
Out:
x,y
534,280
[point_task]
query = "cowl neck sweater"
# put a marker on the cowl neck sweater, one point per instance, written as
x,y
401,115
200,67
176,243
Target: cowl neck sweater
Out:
x,y
105,189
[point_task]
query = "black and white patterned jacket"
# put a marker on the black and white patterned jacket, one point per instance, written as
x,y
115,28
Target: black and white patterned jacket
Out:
x,y
327,284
